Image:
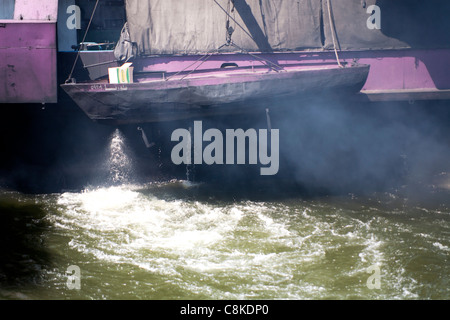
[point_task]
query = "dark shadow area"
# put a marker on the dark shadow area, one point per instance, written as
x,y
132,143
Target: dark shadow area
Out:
x,y
107,21
421,24
48,148
23,253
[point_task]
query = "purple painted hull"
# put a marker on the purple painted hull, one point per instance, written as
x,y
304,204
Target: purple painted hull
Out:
x,y
407,74
213,92
28,62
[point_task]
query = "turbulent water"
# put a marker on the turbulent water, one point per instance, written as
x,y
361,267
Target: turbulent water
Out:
x,y
180,240
165,241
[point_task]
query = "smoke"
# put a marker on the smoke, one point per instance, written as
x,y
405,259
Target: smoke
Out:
x,y
340,146
335,147
348,147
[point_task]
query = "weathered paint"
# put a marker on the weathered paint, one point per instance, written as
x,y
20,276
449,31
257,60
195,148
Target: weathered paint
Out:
x,y
214,92
28,53
390,69
28,62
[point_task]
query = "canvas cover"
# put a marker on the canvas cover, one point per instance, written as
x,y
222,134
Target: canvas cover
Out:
x,y
199,26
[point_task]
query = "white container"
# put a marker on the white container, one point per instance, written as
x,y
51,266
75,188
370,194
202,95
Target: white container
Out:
x,y
123,74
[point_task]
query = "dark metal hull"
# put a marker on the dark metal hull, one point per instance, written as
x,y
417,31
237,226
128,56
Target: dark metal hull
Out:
x,y
217,92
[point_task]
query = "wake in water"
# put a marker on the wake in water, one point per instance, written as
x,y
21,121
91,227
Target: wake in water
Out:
x,y
161,241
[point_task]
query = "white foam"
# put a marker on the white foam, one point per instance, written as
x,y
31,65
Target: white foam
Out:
x,y
252,248
441,246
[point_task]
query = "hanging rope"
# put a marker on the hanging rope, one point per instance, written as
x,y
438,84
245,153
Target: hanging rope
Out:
x,y
84,38
237,23
230,29
230,42
333,34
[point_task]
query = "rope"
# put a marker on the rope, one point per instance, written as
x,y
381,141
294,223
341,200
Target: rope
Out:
x,y
333,28
258,58
84,38
193,70
198,60
230,29
231,43
237,23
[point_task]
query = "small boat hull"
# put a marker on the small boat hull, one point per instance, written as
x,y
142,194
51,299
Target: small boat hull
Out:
x,y
217,92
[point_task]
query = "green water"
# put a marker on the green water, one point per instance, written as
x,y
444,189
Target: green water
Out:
x,y
175,240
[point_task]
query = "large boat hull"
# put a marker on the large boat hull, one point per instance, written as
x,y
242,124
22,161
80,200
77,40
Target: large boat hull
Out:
x,y
207,94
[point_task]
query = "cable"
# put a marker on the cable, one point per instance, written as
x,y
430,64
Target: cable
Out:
x,y
333,35
84,38
237,23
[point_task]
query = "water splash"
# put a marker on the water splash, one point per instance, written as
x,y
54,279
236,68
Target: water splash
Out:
x,y
120,161
220,250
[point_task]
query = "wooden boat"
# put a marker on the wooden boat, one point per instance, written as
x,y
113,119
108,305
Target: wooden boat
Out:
x,y
165,97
